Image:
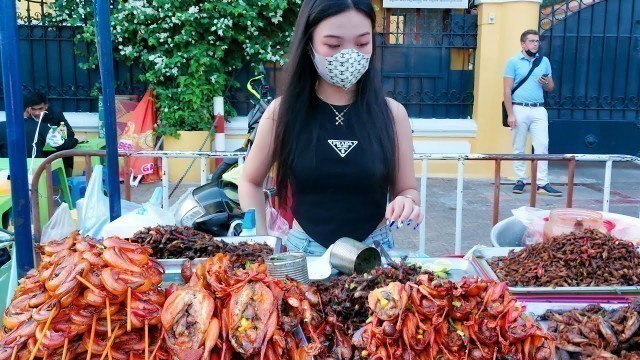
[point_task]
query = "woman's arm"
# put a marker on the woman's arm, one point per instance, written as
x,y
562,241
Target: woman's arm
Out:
x,y
257,166
405,206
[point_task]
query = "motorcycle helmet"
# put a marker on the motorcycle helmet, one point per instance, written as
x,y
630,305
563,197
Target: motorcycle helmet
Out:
x,y
211,208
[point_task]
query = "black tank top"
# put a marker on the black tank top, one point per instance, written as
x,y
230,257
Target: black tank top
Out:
x,y
338,180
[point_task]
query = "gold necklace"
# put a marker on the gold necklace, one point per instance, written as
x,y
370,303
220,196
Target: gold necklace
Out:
x,y
339,116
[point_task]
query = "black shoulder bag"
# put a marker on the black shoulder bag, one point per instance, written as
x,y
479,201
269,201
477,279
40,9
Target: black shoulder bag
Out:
x,y
505,115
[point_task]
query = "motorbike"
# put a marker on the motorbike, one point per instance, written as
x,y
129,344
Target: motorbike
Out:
x,y
215,206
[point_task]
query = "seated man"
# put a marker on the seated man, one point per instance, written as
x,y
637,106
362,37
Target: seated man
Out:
x,y
36,103
30,127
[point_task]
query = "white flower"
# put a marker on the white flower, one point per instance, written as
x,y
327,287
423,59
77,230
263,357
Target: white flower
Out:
x,y
277,18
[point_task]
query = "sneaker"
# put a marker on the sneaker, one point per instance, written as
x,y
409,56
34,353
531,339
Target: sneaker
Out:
x,y
519,187
548,190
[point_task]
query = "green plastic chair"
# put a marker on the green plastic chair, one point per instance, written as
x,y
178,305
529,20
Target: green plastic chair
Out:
x,y
8,277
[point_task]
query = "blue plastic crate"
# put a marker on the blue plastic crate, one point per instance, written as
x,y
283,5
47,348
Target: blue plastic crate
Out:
x,y
77,188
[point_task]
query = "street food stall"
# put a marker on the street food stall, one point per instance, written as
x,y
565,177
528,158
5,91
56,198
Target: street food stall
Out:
x,y
172,292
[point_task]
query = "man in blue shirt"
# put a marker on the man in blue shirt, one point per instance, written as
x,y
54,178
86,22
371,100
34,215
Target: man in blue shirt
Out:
x,y
526,109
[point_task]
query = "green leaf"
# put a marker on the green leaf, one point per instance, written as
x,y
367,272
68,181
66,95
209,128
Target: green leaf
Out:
x,y
451,323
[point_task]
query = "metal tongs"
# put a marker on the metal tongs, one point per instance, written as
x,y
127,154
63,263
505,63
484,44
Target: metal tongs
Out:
x,y
383,251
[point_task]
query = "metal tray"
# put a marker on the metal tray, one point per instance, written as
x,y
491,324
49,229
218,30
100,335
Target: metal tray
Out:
x,y
173,267
459,267
536,309
480,257
273,241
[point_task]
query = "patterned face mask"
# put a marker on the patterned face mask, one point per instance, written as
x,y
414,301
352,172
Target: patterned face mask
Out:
x,y
343,69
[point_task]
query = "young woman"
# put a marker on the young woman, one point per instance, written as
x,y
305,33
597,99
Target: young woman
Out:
x,y
338,145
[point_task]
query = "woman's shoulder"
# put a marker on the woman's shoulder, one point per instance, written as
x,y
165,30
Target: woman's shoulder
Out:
x,y
398,111
271,112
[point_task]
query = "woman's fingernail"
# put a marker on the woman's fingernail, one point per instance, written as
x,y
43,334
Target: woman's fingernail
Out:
x,y
391,223
400,224
409,222
416,227
388,221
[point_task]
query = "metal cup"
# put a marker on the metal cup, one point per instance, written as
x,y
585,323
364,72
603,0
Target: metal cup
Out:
x,y
291,264
351,256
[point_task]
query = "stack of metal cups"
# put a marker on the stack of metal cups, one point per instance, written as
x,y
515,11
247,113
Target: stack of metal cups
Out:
x,y
288,264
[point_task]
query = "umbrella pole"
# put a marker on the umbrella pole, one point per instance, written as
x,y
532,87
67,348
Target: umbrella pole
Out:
x,y
15,137
105,59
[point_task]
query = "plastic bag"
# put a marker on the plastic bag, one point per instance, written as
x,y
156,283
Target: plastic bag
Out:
x,y
233,175
59,226
276,224
622,227
149,215
533,219
93,209
93,214
54,137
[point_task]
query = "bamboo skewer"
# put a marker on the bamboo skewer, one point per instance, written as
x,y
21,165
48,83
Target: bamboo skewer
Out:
x,y
146,340
108,348
158,343
93,333
108,322
87,284
129,309
14,353
64,349
44,331
109,316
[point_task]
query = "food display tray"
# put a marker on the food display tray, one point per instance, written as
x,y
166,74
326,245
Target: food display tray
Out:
x,y
480,258
459,267
173,267
273,241
536,309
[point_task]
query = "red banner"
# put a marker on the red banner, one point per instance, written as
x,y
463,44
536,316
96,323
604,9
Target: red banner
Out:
x,y
138,135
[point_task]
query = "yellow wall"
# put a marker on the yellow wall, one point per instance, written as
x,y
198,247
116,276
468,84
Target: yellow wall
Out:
x,y
35,8
497,42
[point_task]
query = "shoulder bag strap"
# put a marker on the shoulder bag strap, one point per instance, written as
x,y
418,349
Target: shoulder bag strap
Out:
x,y
535,64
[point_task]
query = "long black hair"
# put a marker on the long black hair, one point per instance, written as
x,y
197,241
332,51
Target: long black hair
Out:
x,y
299,90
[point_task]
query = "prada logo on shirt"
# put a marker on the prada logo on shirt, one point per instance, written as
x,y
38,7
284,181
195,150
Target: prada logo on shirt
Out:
x,y
342,146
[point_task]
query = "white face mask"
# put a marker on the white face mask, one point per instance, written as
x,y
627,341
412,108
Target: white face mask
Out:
x,y
343,69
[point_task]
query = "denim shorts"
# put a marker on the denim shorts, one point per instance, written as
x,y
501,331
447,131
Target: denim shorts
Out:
x,y
298,240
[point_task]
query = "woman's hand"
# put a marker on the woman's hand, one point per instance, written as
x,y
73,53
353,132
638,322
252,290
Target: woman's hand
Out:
x,y
403,210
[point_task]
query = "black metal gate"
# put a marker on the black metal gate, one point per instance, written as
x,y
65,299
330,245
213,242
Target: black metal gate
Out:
x,y
427,58
594,49
50,64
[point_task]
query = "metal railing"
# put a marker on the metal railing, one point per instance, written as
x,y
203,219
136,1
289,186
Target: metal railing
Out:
x,y
498,159
164,156
424,159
